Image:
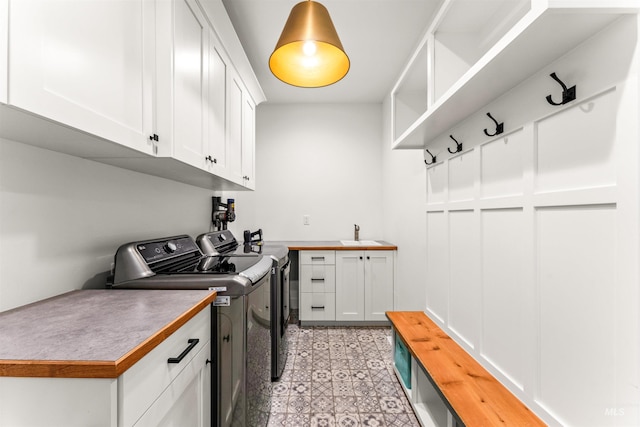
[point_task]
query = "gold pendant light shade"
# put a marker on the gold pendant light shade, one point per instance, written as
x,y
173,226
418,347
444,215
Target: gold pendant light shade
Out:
x,y
309,52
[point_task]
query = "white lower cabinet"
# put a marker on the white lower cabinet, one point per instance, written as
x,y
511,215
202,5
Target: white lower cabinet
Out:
x,y
350,285
317,286
364,284
379,276
345,286
318,306
152,392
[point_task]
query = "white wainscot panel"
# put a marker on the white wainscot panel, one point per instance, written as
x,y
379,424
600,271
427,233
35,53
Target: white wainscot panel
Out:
x,y
436,183
461,175
503,329
501,166
576,273
575,147
464,292
437,265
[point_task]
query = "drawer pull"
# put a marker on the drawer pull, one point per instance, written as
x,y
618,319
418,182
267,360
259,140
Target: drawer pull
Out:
x,y
317,258
314,307
192,343
317,280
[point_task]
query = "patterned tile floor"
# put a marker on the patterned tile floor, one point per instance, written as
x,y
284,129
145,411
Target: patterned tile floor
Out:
x,y
342,377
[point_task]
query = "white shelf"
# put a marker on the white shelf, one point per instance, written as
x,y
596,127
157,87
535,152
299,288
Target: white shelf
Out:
x,y
543,35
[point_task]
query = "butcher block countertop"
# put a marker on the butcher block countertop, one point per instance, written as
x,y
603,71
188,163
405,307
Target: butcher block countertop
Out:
x,y
331,245
92,333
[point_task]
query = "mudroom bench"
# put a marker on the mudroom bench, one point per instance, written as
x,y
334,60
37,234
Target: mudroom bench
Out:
x,y
444,384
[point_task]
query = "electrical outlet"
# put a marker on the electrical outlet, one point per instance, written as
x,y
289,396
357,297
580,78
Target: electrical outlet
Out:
x,y
306,219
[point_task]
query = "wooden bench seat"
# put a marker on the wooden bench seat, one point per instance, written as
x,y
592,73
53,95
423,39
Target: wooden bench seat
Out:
x,y
473,395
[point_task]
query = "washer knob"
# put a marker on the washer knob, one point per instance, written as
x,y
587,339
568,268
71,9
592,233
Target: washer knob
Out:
x,y
170,247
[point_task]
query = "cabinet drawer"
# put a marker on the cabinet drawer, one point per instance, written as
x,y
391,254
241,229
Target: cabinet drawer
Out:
x,y
317,306
185,402
318,278
317,257
141,384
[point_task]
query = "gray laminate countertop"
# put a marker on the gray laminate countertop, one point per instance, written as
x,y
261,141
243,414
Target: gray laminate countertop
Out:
x,y
92,333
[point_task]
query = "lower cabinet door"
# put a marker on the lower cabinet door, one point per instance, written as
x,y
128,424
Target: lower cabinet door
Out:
x,y
186,402
378,284
317,306
350,286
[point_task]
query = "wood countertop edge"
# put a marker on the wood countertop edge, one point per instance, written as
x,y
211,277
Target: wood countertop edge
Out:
x,y
343,248
99,368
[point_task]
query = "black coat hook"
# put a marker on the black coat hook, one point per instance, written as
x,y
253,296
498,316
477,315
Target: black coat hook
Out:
x,y
499,127
458,146
433,158
568,94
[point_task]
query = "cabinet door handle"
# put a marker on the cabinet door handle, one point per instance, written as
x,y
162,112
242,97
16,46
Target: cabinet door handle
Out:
x,y
314,307
192,343
360,257
317,280
317,258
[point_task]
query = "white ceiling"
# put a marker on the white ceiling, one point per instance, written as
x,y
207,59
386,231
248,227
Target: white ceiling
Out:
x,y
378,35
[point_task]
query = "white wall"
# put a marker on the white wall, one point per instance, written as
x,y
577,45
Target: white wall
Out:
x,y
532,237
321,160
62,219
404,181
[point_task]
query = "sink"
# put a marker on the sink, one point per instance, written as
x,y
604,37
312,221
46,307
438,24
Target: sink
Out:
x,y
360,243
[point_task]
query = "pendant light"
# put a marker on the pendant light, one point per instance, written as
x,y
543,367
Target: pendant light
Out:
x,y
309,52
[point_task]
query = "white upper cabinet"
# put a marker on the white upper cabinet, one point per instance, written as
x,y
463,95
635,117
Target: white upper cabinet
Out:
x,y
217,144
201,118
234,127
86,64
248,142
189,108
476,50
155,86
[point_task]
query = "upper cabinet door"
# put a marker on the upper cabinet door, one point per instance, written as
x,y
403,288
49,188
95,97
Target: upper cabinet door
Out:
x,y
87,64
234,129
217,99
248,142
190,46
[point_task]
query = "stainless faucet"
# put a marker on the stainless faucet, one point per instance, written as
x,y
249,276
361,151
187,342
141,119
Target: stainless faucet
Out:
x,y
356,232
